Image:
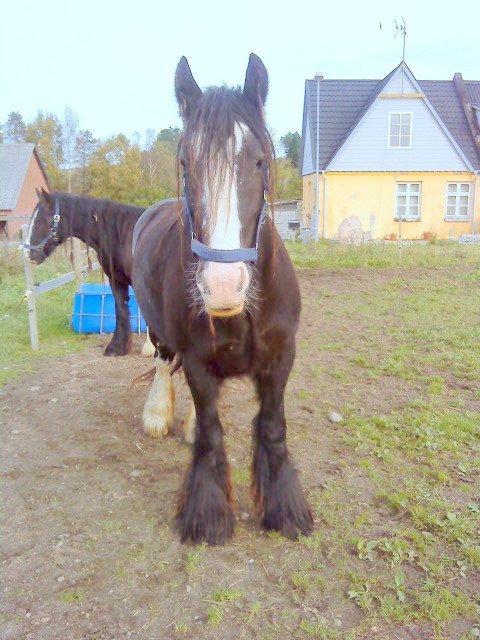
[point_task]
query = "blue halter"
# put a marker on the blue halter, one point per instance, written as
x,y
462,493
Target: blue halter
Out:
x,y
52,234
241,254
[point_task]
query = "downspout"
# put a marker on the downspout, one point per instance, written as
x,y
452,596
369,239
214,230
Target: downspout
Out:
x,y
324,214
318,78
475,188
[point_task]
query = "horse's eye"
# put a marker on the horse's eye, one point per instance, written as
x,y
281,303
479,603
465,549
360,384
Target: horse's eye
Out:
x,y
183,163
260,163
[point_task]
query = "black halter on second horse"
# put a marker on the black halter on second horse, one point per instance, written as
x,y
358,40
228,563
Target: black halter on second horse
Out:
x,y
53,233
242,254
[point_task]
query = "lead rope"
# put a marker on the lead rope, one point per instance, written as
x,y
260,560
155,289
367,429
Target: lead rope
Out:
x,y
89,260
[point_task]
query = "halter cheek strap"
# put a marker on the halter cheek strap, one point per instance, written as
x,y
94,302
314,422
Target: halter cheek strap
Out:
x,y
242,254
53,233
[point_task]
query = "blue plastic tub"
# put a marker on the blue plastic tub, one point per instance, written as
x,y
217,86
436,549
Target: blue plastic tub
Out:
x,y
94,310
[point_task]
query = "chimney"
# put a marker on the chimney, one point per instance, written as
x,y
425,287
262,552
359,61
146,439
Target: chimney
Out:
x,y
462,93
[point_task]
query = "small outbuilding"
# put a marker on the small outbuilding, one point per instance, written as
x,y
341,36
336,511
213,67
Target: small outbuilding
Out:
x,y
287,216
21,173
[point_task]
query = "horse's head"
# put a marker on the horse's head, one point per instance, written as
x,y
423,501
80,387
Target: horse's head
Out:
x,y
226,154
45,228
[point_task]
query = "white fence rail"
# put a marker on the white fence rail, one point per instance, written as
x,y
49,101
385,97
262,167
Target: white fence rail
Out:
x,y
34,290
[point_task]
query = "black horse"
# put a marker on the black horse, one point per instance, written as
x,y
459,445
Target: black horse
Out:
x,y
218,315
103,225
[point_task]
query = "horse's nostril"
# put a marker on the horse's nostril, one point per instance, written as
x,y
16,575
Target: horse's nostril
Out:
x,y
202,285
241,282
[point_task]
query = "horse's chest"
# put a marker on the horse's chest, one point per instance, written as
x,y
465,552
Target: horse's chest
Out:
x,y
229,354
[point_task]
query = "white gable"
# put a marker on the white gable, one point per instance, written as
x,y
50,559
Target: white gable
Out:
x,y
399,83
367,147
477,113
307,160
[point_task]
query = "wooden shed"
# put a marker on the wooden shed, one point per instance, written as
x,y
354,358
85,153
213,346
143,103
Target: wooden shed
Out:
x,y
21,172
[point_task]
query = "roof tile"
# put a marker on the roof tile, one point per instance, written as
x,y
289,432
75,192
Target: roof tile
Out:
x,y
14,161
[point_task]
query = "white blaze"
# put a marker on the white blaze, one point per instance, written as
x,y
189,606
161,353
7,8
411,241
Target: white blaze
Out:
x,y
222,203
30,229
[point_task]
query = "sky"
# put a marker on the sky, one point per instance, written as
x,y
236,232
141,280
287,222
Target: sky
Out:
x,y
113,63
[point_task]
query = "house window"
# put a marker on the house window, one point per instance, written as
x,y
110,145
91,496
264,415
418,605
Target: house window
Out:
x,y
400,130
408,201
458,200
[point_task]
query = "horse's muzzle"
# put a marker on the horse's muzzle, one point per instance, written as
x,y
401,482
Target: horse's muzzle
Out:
x,y
223,286
34,254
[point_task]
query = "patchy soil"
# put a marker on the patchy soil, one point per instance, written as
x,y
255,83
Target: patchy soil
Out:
x,y
89,551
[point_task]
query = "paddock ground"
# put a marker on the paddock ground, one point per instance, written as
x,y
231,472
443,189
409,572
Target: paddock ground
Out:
x,y
89,551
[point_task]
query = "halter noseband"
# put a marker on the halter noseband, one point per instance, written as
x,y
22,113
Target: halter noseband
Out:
x,y
242,254
53,233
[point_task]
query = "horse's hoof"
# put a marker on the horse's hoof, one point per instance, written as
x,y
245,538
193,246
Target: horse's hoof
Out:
x,y
293,521
148,349
197,526
113,352
205,512
158,420
291,525
281,501
114,349
155,426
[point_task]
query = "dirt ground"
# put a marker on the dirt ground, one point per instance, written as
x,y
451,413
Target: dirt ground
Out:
x,y
89,546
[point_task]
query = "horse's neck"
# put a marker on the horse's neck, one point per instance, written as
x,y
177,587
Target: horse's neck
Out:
x,y
80,225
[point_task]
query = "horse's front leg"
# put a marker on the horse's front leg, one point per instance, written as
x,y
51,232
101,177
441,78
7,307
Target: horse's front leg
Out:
x,y
276,487
121,341
205,511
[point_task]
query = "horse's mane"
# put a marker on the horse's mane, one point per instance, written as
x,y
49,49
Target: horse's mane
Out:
x,y
85,205
210,127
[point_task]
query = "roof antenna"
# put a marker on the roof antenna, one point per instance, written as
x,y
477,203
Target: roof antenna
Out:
x,y
401,28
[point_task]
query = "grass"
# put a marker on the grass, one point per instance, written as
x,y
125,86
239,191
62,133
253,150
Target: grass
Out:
x,y
70,597
398,526
326,255
53,312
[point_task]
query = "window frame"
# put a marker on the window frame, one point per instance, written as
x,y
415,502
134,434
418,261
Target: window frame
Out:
x,y
458,217
408,194
389,135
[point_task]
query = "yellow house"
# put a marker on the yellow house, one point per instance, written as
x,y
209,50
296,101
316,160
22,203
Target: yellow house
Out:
x,y
398,157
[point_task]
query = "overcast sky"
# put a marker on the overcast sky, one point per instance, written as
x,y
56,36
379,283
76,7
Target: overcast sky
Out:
x,y
113,62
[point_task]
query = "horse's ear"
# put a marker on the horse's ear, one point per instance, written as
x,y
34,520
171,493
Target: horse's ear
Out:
x,y
42,194
187,91
256,82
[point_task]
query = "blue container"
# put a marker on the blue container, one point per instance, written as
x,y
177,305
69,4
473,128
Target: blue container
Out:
x,y
94,310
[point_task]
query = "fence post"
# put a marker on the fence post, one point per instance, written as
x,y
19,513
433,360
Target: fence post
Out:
x,y
30,293
77,261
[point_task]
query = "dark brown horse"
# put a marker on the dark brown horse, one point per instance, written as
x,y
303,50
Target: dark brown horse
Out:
x,y
105,226
220,316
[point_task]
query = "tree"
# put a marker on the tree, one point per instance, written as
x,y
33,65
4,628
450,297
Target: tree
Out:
x,y
291,144
69,136
46,132
288,180
159,163
171,136
148,160
85,147
14,129
115,170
